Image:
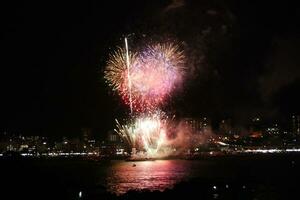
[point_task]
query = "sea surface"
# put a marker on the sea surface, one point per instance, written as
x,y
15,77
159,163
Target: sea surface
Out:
x,y
71,177
152,175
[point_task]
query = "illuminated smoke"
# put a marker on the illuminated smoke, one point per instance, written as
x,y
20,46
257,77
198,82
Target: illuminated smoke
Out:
x,y
156,136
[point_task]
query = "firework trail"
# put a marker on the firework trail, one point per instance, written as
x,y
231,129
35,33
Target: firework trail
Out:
x,y
128,74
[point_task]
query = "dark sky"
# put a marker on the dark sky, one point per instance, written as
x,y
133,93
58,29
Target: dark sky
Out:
x,y
242,60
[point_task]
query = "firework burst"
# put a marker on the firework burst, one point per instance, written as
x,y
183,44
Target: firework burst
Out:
x,y
154,73
116,73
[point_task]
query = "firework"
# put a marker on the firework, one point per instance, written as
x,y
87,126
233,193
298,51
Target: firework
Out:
x,y
147,133
116,73
145,79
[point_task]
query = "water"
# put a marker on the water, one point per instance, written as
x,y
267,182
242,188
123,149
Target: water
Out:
x,y
152,175
71,177
257,171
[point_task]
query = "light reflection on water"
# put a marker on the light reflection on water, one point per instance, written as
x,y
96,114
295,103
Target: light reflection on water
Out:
x,y
152,175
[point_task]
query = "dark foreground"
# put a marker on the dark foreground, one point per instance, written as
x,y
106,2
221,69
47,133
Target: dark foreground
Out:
x,y
236,177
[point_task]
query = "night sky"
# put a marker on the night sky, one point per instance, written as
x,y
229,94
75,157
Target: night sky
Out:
x,y
242,60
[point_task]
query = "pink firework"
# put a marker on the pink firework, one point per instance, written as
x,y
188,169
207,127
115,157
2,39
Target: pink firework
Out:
x,y
153,74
